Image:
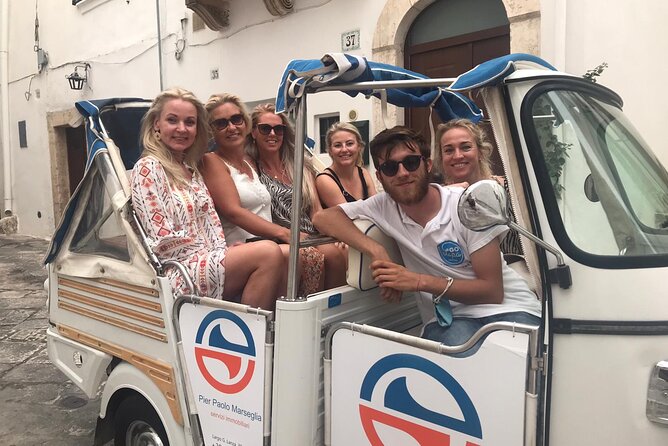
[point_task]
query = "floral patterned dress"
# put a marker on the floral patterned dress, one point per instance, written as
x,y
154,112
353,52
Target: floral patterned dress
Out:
x,y
182,224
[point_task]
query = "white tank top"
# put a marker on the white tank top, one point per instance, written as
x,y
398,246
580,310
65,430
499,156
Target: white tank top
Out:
x,y
254,196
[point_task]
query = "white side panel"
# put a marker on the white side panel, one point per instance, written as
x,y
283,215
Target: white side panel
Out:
x,y
224,351
391,394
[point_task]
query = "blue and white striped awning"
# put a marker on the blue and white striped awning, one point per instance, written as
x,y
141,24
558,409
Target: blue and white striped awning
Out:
x,y
336,69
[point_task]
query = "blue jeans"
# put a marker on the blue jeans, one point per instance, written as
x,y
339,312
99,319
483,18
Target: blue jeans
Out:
x,y
463,328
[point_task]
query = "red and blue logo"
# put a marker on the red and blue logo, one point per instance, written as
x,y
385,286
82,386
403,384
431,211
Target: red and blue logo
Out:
x,y
226,365
387,405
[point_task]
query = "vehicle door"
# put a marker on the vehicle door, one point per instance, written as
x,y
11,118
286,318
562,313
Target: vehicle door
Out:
x,y
597,193
392,389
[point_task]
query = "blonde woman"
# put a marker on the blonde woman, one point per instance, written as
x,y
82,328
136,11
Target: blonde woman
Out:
x,y
178,215
273,149
465,158
345,180
242,201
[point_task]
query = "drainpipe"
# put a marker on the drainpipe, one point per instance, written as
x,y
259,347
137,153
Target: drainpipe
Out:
x,y
157,15
4,105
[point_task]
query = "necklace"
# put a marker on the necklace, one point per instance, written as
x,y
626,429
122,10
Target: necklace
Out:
x,y
281,175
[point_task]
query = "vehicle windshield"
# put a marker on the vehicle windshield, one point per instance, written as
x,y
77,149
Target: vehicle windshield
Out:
x,y
611,191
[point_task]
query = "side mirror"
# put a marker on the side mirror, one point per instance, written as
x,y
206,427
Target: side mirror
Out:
x,y
483,205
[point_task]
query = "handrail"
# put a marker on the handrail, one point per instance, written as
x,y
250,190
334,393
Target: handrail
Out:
x,y
374,85
184,272
436,347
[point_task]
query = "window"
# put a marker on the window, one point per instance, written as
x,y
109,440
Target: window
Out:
x,y
363,128
324,123
610,192
99,231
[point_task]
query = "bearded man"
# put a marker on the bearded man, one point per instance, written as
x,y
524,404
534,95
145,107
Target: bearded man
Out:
x,y
460,275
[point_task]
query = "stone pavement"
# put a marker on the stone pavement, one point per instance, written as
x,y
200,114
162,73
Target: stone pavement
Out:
x,y
38,404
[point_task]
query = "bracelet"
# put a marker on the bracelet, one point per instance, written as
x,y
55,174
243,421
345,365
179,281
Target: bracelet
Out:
x,y
437,299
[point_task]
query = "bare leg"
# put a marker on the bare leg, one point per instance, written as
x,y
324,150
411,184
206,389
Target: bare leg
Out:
x,y
283,286
336,263
253,270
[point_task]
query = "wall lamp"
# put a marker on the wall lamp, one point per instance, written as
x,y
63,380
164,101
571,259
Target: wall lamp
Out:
x,y
76,80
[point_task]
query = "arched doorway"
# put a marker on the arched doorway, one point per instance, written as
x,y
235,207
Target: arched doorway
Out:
x,y
450,37
397,17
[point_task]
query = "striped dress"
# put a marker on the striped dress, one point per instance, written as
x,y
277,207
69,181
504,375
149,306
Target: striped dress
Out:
x,y
311,258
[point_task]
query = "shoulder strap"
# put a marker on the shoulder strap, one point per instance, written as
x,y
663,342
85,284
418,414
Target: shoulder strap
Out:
x,y
365,188
330,173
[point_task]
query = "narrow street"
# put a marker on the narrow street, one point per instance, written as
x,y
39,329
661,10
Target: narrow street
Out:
x,y
38,404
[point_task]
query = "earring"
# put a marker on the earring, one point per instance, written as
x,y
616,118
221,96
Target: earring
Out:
x,y
157,134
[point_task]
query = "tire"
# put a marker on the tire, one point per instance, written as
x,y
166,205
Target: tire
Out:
x,y
136,423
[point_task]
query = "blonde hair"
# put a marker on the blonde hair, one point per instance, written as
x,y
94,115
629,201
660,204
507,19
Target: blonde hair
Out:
x,y
350,128
216,100
154,147
484,146
287,154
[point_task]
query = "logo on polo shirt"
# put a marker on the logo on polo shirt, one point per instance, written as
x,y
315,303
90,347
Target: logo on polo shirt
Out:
x,y
451,253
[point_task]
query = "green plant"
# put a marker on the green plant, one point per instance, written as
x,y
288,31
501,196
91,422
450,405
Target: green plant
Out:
x,y
592,74
555,152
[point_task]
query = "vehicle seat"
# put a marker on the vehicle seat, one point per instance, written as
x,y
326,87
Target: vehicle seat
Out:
x,y
359,275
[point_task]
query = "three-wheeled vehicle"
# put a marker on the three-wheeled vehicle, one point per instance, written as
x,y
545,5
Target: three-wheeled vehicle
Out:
x,y
343,367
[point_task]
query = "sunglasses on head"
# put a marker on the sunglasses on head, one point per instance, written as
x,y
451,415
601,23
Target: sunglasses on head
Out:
x,y
222,123
411,163
266,129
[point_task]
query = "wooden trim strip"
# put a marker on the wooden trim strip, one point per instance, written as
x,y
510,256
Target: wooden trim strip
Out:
x,y
113,321
127,312
153,306
126,286
161,373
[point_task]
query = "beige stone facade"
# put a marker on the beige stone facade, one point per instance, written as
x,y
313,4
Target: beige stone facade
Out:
x,y
397,16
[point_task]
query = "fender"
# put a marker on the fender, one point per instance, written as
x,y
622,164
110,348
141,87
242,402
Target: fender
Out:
x,y
125,376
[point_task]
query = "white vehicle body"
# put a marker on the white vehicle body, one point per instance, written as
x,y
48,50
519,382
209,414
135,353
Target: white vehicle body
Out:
x,y
342,367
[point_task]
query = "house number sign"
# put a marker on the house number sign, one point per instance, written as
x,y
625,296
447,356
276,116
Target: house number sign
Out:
x,y
350,40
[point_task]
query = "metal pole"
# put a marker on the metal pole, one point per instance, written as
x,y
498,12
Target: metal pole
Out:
x,y
297,178
157,9
8,203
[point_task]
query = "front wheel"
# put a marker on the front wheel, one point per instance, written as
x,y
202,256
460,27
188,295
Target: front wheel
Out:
x,y
136,423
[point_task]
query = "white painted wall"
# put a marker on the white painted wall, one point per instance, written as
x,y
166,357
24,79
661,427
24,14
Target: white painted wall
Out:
x,y
250,56
577,35
118,39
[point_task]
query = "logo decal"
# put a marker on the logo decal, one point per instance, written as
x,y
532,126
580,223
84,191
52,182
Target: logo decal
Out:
x,y
451,253
390,405
227,366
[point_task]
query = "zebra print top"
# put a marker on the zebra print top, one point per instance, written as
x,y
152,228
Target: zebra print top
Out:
x,y
281,203
511,243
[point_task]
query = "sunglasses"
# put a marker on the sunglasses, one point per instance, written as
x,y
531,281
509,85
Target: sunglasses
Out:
x,y
222,123
266,129
411,163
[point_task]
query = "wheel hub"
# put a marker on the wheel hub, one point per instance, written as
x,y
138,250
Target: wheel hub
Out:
x,y
140,433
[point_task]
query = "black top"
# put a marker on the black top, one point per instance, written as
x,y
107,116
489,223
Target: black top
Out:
x,y
349,198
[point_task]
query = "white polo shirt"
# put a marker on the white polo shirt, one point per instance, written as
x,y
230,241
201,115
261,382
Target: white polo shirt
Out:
x,y
443,248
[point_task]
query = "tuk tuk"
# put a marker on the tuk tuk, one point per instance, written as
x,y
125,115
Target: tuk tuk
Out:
x,y
343,367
